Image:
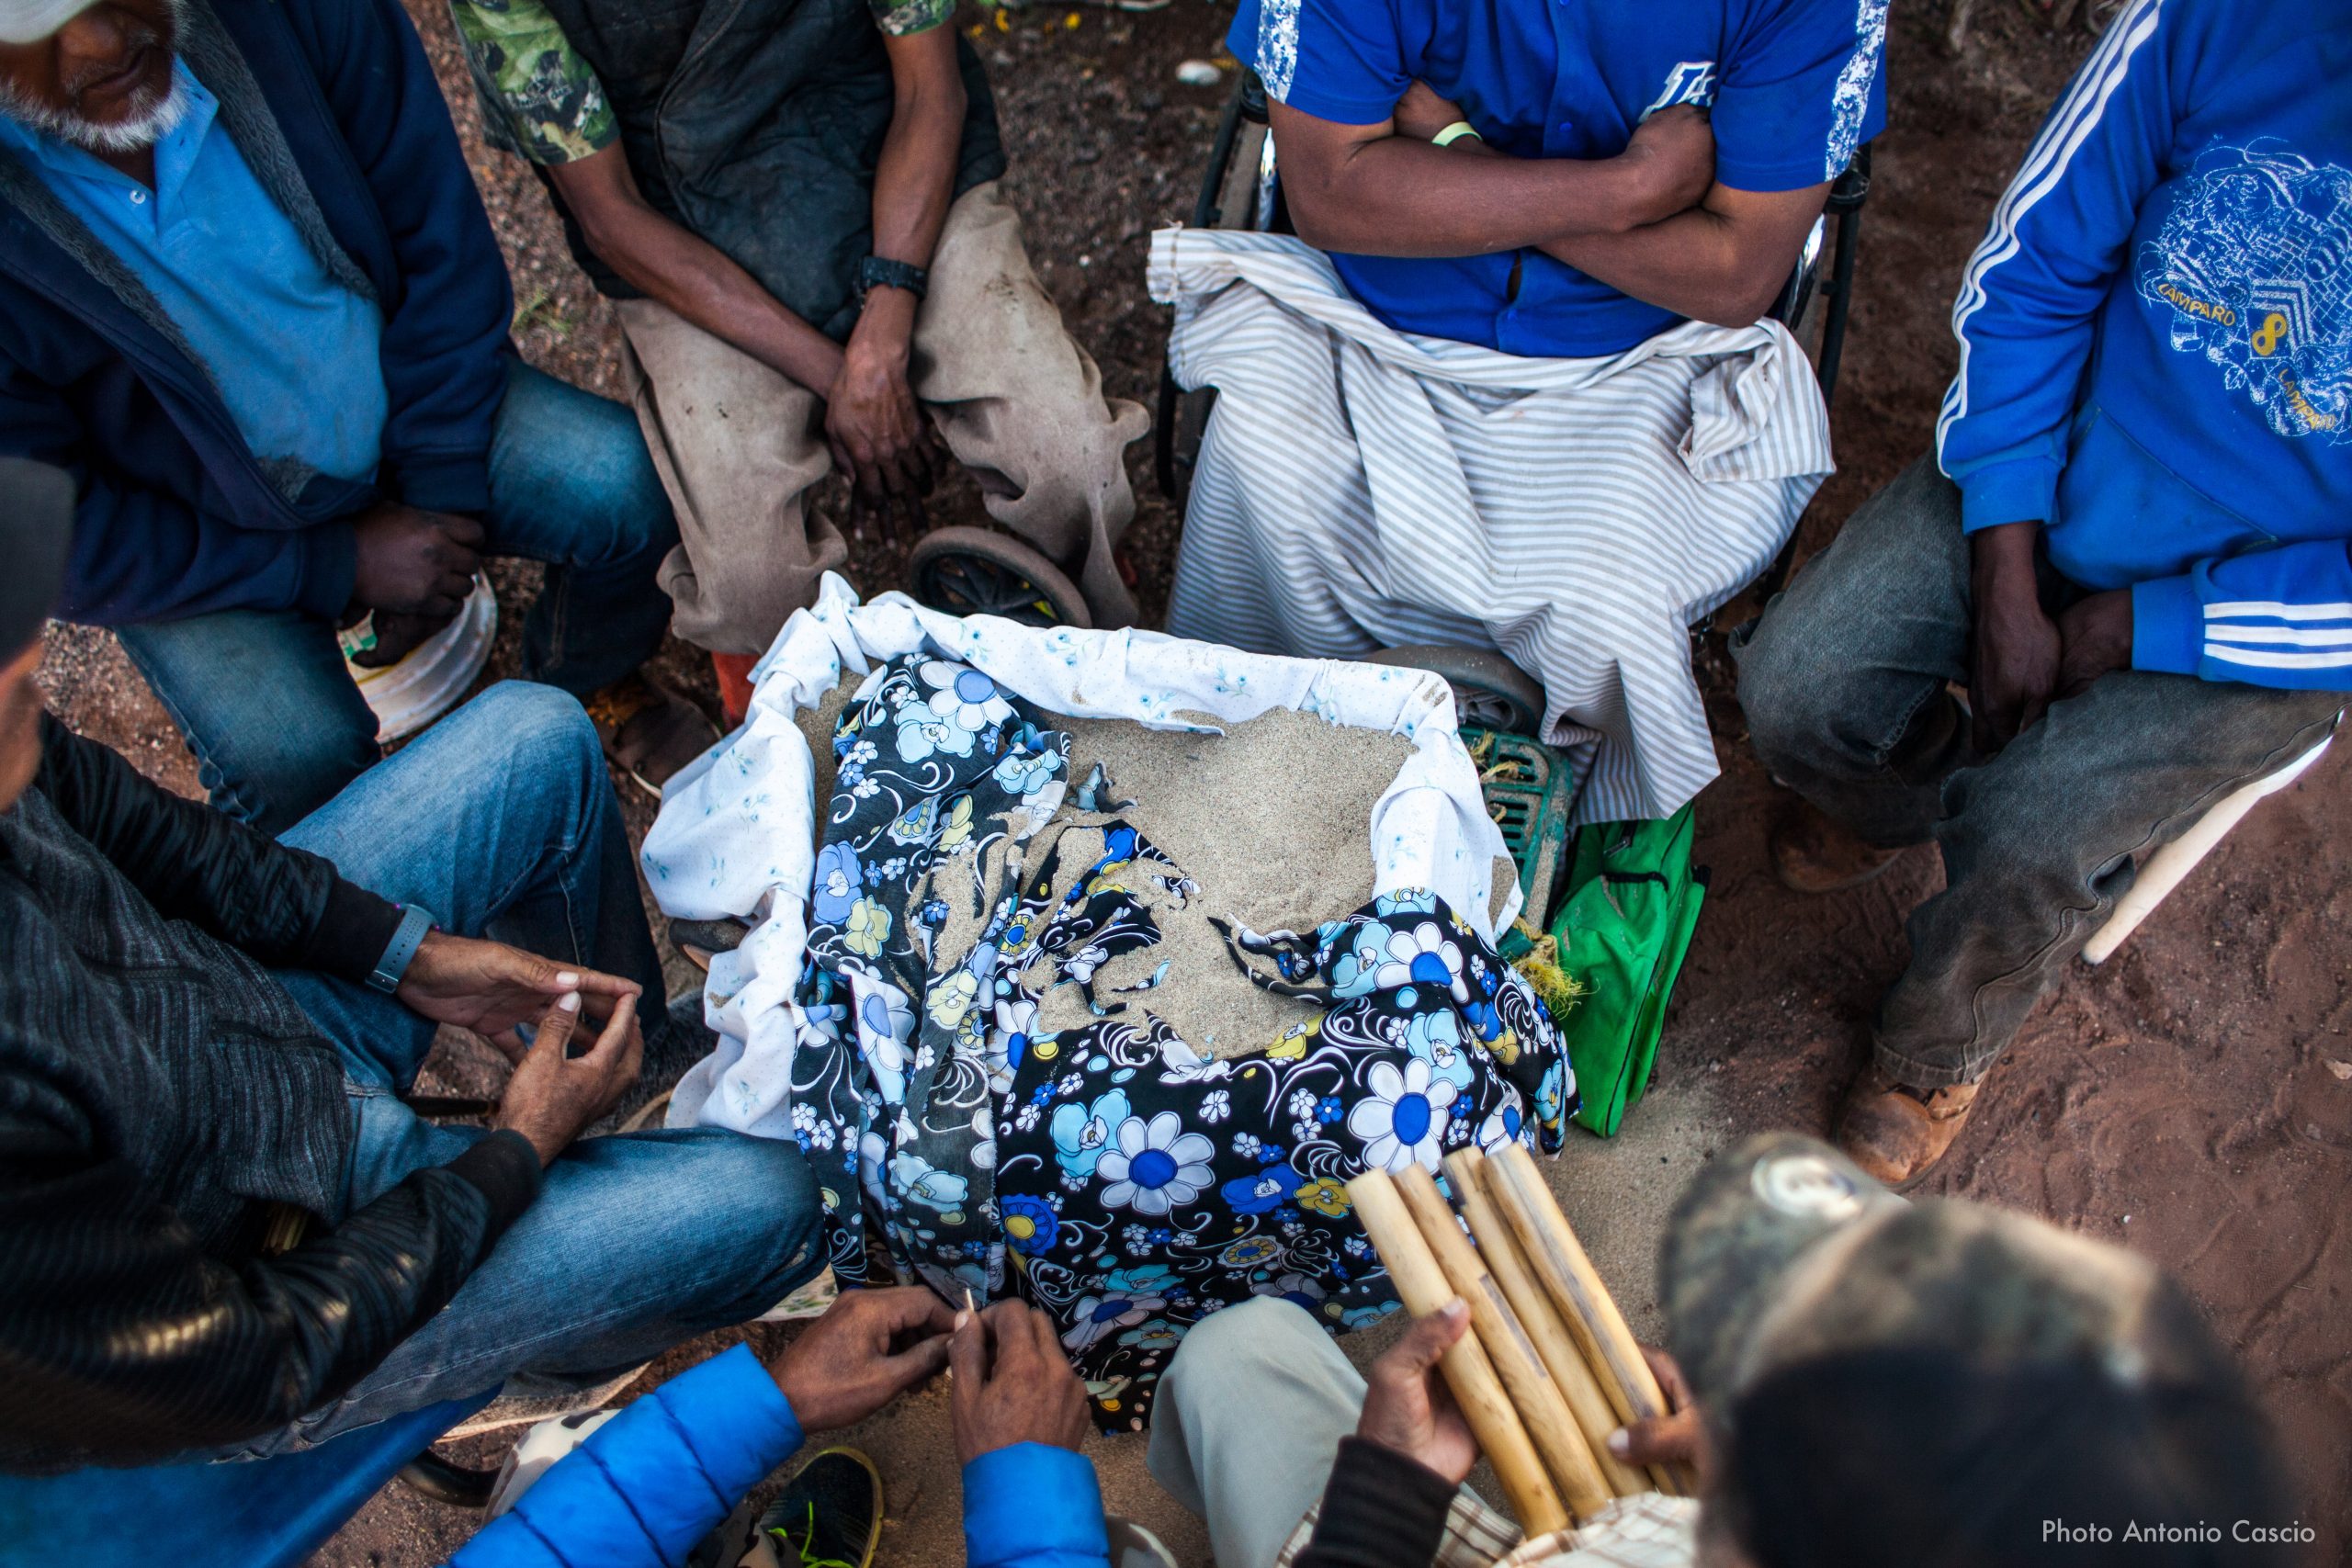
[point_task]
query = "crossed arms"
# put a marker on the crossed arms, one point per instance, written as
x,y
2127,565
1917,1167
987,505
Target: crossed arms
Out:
x,y
1651,222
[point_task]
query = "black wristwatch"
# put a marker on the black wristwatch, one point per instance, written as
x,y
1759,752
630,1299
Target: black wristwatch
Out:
x,y
880,272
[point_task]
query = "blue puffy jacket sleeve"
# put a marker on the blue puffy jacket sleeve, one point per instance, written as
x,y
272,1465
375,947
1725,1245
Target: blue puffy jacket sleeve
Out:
x,y
445,343
667,1470
652,1481
1032,1505
2029,302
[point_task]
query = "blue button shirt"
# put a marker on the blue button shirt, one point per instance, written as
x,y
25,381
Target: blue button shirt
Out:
x,y
1795,87
294,354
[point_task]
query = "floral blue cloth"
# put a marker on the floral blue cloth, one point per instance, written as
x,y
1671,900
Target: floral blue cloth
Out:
x,y
1110,1174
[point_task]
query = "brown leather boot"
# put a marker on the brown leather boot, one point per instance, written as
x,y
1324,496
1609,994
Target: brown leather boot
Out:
x,y
1896,1133
1814,853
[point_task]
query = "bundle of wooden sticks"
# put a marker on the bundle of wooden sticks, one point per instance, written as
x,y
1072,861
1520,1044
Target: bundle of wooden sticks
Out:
x,y
1548,1369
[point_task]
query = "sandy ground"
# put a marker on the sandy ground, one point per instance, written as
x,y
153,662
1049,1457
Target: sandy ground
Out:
x,y
2183,1101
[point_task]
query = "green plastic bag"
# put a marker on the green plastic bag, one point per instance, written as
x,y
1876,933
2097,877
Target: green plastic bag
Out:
x,y
1625,923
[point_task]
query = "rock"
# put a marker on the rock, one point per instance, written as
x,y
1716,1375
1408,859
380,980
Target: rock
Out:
x,y
1199,73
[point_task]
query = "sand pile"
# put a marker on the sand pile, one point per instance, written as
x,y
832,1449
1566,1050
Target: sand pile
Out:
x,y
1270,819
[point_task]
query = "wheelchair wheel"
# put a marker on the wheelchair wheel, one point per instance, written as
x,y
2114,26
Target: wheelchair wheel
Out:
x,y
977,571
1489,691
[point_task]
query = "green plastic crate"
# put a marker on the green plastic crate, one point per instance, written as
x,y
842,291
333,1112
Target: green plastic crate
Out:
x,y
1531,805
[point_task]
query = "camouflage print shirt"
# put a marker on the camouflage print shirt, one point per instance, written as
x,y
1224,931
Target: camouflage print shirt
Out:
x,y
541,100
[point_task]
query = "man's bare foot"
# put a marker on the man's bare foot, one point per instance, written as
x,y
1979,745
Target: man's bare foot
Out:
x,y
1814,853
1896,1133
649,731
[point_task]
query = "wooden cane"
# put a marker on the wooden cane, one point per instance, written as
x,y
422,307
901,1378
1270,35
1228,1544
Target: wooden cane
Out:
x,y
1559,1260
1595,1417
1541,1409
1422,1286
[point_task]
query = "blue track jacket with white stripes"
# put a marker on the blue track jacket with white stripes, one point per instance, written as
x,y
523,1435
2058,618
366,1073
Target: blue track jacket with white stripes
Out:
x,y
2156,339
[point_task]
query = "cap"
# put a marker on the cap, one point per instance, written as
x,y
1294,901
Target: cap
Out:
x,y
1785,1251
29,21
1958,1378
36,532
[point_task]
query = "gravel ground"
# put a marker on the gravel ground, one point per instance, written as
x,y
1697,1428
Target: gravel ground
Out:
x,y
2188,1099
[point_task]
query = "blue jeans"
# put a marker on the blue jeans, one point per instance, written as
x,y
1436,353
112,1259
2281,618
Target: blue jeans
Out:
x,y
263,697
1844,684
501,820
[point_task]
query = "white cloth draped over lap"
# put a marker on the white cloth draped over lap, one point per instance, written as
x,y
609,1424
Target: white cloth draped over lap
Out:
x,y
736,832
1361,487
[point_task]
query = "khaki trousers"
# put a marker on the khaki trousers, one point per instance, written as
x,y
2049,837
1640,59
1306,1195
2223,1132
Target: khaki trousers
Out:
x,y
1019,404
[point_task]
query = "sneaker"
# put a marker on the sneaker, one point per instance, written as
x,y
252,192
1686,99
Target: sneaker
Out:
x,y
649,731
828,1516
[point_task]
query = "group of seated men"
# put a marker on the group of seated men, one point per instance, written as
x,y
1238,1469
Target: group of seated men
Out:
x,y
260,411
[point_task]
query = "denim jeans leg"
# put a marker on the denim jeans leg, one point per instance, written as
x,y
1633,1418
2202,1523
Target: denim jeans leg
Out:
x,y
266,704
571,485
1843,677
636,1243
501,820
2037,845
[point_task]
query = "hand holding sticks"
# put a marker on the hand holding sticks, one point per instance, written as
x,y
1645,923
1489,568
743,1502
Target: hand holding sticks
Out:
x,y
1423,1288
1549,1369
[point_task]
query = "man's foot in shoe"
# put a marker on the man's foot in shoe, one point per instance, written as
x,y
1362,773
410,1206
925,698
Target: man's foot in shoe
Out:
x,y
649,731
1896,1133
1812,853
828,1515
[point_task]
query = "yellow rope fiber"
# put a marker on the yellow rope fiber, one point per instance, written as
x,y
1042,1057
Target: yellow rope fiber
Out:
x,y
1556,987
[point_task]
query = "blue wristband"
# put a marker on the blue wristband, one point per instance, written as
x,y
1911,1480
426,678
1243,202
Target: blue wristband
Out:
x,y
414,923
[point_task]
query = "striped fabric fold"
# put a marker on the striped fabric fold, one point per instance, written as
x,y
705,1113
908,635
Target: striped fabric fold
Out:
x,y
1361,487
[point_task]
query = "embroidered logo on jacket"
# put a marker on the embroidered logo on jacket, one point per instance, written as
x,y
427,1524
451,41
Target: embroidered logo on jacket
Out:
x,y
2253,269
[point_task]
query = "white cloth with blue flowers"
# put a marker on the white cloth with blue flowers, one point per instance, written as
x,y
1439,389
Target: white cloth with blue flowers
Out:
x,y
737,831
1361,487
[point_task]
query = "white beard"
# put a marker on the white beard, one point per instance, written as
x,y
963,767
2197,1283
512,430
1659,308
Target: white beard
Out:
x,y
152,117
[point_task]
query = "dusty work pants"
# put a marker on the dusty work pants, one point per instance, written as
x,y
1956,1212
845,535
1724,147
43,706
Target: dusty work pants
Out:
x,y
739,445
1844,683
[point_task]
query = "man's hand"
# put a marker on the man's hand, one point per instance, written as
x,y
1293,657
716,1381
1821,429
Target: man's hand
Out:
x,y
2093,640
1422,114
868,1349
1012,1383
489,987
398,636
1675,1439
412,562
1407,1406
2014,662
554,1094
1673,152
879,437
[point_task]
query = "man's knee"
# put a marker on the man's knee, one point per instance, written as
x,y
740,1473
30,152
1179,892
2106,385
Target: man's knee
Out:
x,y
539,729
1788,687
756,1212
273,776
1242,1345
578,478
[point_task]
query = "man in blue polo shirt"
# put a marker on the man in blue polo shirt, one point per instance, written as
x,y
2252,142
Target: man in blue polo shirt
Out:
x,y
1511,384
1590,222
2130,544
249,298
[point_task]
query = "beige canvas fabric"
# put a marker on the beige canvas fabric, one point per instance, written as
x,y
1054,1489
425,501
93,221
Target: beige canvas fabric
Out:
x,y
738,445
